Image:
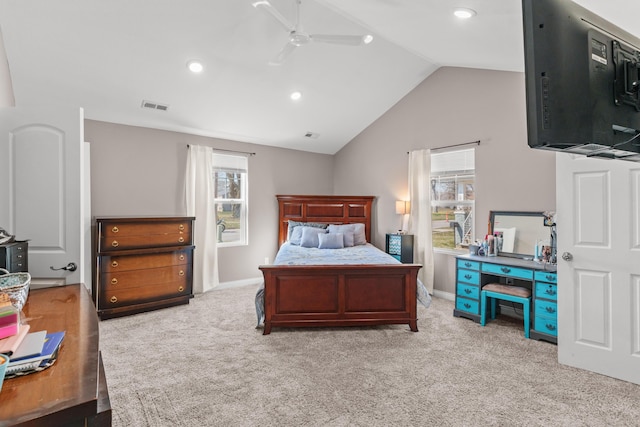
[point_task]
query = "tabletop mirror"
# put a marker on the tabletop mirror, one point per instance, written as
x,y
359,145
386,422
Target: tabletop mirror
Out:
x,y
520,232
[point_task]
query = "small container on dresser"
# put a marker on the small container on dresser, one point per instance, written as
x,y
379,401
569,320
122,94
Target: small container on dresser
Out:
x,y
14,256
142,264
400,246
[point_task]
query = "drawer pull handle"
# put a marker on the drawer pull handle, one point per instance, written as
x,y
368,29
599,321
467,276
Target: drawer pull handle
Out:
x,y
550,309
181,273
180,289
468,276
181,239
467,264
114,281
551,278
19,256
181,257
115,229
467,305
114,264
550,292
115,243
114,300
550,327
467,291
181,227
505,270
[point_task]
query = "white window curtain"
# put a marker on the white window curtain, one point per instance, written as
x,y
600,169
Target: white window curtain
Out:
x,y
200,204
420,216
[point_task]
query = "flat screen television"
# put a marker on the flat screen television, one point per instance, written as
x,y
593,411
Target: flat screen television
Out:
x,y
582,81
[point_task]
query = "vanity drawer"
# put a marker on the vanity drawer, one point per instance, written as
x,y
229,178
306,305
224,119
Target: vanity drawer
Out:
x,y
546,325
546,309
470,306
546,276
469,276
546,291
468,291
469,265
504,270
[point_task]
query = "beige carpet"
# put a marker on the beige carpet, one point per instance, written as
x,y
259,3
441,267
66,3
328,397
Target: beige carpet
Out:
x,y
205,364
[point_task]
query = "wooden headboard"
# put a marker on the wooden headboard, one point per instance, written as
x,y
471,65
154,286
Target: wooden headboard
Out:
x,y
324,209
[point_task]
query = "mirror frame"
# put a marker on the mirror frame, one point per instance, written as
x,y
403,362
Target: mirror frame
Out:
x,y
493,214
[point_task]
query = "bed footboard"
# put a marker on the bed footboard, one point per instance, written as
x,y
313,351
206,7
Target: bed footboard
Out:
x,y
339,295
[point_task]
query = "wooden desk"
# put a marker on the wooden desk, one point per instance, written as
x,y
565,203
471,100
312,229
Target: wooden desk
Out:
x,y
72,392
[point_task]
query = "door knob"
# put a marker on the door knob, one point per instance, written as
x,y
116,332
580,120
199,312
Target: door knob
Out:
x,y
72,266
567,256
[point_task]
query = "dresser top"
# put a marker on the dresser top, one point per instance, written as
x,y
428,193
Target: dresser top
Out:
x,y
511,262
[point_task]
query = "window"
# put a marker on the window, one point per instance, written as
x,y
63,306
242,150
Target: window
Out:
x,y
453,198
230,186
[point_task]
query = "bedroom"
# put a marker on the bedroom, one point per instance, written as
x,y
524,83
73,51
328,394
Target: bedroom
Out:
x,y
374,162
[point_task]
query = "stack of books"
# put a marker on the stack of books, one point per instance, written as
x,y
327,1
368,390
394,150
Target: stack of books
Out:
x,y
35,350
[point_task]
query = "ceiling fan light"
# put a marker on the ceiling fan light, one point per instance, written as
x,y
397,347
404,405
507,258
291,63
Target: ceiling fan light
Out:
x,y
195,66
367,39
464,13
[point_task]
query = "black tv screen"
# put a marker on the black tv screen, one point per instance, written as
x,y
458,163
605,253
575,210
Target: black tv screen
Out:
x,y
582,81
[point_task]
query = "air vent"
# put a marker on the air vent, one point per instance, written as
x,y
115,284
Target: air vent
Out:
x,y
154,106
312,135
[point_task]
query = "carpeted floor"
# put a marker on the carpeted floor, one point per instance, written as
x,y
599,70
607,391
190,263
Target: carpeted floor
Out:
x,y
205,364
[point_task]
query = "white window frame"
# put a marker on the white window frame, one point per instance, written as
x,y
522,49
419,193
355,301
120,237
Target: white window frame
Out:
x,y
458,165
233,163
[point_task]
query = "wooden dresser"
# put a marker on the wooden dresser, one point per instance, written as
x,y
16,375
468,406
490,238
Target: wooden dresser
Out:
x,y
142,264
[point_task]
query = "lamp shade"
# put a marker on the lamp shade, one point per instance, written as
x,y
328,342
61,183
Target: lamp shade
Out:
x,y
402,207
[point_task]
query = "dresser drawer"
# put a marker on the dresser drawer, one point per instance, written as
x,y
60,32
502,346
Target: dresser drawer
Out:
x,y
14,256
504,270
470,306
545,308
546,325
115,263
134,228
114,298
109,244
469,276
134,235
468,291
144,277
469,265
546,276
547,291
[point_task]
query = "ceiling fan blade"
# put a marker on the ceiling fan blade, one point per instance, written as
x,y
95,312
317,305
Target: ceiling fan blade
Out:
x,y
345,40
265,5
283,54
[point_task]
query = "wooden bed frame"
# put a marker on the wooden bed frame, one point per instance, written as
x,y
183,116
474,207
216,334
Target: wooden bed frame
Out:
x,y
336,295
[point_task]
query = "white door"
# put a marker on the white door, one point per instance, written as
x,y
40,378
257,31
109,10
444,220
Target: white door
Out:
x,y
42,187
598,217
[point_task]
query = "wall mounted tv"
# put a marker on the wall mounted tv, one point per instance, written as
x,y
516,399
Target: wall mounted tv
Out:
x,y
582,81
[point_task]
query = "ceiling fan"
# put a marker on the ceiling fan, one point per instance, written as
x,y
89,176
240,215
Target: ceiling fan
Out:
x,y
297,37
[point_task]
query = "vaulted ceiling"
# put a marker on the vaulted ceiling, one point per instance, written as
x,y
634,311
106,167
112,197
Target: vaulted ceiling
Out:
x,y
110,56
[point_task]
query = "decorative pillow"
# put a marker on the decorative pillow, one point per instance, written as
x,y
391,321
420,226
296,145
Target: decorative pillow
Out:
x,y
359,236
310,236
296,236
330,241
293,224
348,239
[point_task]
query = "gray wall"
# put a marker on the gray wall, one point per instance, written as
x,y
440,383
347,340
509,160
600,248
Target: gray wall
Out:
x,y
140,171
452,106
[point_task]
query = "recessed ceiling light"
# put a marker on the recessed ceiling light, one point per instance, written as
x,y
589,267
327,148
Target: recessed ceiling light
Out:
x,y
464,13
296,95
367,39
195,66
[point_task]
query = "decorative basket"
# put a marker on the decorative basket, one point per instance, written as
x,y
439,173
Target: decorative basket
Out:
x,y
16,285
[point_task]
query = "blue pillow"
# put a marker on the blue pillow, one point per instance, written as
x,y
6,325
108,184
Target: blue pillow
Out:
x,y
348,239
310,236
331,241
359,235
296,236
292,225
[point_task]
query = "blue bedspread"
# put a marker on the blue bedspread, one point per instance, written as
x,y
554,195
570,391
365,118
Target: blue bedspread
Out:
x,y
363,254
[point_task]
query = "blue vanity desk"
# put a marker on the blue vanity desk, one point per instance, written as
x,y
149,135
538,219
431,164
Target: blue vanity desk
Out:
x,y
475,271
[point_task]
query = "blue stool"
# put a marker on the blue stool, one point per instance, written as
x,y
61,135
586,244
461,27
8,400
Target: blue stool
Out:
x,y
497,291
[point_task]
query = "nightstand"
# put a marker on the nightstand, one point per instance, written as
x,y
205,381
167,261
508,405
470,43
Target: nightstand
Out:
x,y
14,256
400,246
